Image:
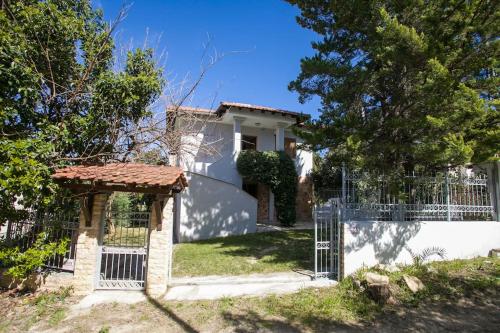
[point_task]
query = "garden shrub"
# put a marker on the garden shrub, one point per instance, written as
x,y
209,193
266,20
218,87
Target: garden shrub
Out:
x,y
277,170
20,263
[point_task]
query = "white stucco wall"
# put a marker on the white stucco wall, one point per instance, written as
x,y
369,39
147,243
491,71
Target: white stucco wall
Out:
x,y
215,160
304,161
369,243
219,163
213,208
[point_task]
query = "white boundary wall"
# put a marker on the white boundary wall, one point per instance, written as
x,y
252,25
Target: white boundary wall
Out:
x,y
213,208
368,243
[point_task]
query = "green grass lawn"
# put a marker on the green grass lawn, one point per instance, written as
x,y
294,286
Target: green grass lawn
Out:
x,y
126,236
278,251
445,281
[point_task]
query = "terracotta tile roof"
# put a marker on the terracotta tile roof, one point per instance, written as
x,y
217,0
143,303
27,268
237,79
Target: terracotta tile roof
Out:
x,y
226,105
134,174
189,109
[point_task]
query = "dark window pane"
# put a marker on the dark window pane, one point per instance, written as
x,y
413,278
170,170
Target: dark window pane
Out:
x,y
250,188
248,142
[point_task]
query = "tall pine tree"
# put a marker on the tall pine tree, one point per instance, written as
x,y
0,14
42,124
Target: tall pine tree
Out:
x,y
403,84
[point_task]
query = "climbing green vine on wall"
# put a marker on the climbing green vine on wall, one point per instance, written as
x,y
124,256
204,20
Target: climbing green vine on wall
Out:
x,y
276,170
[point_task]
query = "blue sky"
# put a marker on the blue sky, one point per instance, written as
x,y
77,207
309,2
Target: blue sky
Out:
x,y
261,41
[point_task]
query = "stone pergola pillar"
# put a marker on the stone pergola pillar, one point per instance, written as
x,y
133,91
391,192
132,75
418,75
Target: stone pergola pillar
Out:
x,y
159,266
86,270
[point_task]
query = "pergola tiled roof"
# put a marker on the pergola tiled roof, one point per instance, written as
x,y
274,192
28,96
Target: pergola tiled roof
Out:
x,y
127,177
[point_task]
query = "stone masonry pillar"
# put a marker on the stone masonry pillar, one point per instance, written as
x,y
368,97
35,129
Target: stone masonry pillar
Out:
x,y
160,250
87,247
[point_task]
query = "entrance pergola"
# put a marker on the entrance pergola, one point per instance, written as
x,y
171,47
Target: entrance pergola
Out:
x,y
94,183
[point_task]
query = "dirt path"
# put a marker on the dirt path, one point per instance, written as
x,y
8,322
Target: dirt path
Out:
x,y
466,315
478,314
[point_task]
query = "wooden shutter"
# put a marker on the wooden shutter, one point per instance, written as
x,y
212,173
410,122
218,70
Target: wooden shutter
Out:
x,y
291,147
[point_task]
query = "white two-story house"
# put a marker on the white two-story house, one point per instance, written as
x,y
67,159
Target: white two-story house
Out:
x,y
218,202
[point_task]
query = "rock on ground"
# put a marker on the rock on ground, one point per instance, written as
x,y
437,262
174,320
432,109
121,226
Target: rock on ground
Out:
x,y
377,287
413,283
387,268
374,278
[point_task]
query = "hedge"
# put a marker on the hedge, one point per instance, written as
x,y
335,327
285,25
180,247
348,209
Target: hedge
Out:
x,y
276,170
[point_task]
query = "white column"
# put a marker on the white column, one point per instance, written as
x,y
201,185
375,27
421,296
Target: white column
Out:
x,y
237,134
280,136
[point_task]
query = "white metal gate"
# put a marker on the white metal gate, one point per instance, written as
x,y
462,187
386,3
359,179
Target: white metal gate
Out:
x,y
327,240
123,250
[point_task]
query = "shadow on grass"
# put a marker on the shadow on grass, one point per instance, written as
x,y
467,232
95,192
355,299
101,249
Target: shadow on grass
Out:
x,y
182,323
294,247
464,298
251,321
465,315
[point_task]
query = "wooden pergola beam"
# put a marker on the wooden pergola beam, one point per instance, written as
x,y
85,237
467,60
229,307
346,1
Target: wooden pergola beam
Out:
x,y
167,190
86,205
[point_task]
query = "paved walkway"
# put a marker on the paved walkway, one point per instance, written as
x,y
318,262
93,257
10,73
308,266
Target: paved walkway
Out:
x,y
210,287
215,287
110,296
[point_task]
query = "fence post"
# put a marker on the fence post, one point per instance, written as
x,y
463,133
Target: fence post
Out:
x,y
493,170
315,214
9,231
344,189
447,190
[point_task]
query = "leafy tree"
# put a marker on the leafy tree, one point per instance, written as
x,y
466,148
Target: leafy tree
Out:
x,y
61,101
20,264
326,177
403,84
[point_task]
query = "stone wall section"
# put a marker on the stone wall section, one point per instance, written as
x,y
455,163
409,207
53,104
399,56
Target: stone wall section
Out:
x,y
52,281
262,203
304,201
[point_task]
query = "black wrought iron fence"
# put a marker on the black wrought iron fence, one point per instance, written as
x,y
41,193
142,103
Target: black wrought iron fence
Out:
x,y
55,227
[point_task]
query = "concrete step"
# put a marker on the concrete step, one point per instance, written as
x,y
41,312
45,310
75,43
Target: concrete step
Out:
x,y
215,287
284,277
